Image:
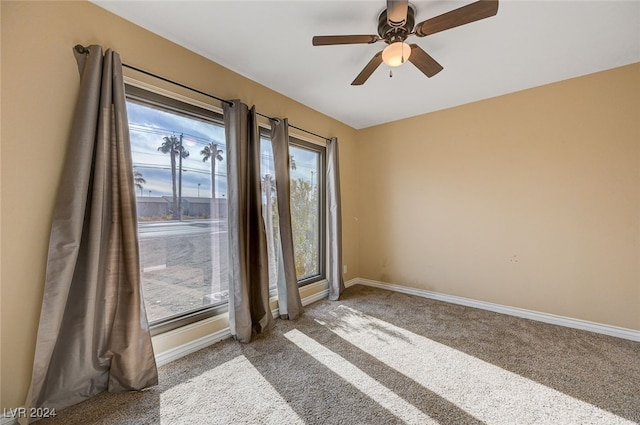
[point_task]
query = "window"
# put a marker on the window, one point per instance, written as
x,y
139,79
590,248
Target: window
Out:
x,y
179,156
307,209
307,164
179,162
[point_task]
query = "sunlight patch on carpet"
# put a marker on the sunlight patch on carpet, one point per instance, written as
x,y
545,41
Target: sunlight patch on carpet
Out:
x,y
359,379
234,392
488,392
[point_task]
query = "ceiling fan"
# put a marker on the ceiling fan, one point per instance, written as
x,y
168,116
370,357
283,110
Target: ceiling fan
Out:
x,y
396,24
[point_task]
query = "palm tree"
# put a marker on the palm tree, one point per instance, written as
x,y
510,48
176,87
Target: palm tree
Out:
x,y
138,180
183,153
212,152
173,146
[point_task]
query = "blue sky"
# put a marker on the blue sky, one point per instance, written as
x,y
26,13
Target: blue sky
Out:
x,y
148,126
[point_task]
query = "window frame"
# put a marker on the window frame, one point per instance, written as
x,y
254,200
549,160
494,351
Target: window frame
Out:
x,y
296,141
189,108
152,96
303,143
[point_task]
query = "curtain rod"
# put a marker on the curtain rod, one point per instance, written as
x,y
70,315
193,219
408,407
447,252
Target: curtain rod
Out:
x,y
228,102
83,50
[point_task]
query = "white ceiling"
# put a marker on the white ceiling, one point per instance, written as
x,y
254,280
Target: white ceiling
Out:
x,y
527,44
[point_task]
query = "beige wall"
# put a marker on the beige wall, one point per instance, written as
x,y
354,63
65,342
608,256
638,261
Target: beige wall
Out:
x,y
530,200
39,89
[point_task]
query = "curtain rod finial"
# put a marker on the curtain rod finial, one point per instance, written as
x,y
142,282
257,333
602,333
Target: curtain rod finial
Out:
x,y
81,49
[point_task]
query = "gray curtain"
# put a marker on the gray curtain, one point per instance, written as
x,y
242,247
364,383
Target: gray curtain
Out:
x,y
248,261
336,282
289,302
93,333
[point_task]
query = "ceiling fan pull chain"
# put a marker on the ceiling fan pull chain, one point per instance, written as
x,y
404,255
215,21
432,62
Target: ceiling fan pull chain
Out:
x,y
390,73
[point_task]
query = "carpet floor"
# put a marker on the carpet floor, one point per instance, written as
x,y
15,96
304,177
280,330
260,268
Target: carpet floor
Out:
x,y
381,357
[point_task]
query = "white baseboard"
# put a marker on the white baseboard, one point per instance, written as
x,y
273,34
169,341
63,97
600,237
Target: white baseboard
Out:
x,y
191,347
553,319
315,297
352,282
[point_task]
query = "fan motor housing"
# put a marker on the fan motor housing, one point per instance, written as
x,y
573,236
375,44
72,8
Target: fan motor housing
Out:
x,y
394,34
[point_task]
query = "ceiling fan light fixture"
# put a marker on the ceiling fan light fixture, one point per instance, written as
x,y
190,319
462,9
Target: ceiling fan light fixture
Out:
x,y
396,23
395,54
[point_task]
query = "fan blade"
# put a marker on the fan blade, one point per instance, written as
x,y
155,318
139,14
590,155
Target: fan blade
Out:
x,y
423,61
329,40
463,15
397,12
373,64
